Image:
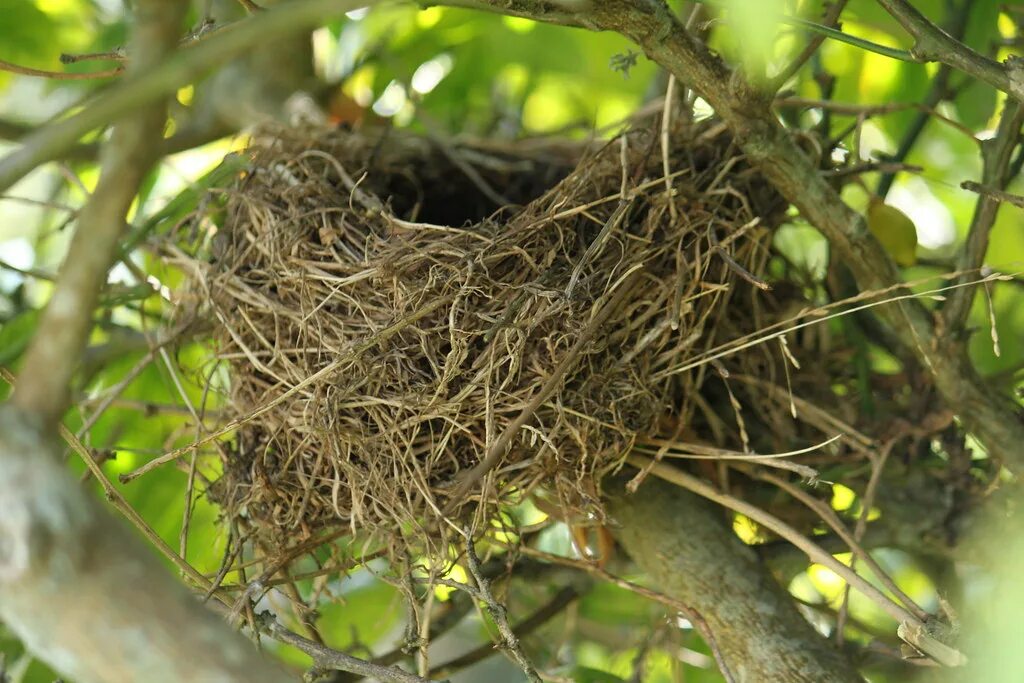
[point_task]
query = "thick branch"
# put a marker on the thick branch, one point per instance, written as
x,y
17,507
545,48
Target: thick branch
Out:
x,y
88,597
687,548
932,44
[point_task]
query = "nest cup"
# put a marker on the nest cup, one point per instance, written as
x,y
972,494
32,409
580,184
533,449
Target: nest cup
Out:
x,y
395,311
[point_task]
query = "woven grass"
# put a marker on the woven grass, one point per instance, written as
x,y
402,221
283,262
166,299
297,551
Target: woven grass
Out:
x,y
419,331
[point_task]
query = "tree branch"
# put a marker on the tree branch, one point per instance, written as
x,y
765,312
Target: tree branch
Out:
x,y
932,44
687,549
59,75
541,616
938,92
329,658
996,154
55,349
770,147
1000,196
830,20
149,83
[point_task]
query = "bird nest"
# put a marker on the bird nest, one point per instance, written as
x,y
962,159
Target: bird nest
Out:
x,y
418,329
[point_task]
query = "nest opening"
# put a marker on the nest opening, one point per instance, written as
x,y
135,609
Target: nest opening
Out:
x,y
393,311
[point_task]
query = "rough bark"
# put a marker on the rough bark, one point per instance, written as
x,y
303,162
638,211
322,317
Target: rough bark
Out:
x,y
686,547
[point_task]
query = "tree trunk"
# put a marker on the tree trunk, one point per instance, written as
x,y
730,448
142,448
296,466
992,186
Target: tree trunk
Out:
x,y
686,547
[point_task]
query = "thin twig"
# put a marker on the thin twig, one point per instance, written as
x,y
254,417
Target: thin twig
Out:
x,y
932,44
156,81
995,194
336,660
867,500
830,20
600,572
59,75
121,503
541,616
830,518
497,612
996,155
115,55
869,110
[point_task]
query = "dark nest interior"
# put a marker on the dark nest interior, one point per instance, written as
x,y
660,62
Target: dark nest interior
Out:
x,y
420,329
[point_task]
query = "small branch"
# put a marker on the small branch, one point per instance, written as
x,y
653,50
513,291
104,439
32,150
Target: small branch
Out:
x,y
938,92
116,55
59,75
64,328
863,111
187,138
932,44
497,612
872,167
152,82
996,154
705,631
828,515
541,616
997,195
335,660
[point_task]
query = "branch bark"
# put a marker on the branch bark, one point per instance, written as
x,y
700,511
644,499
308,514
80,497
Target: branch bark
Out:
x,y
686,547
932,44
996,154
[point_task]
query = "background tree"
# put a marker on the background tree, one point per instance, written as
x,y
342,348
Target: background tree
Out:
x,y
845,109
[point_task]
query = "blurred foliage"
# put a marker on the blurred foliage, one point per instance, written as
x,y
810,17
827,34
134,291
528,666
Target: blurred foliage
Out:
x,y
465,72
